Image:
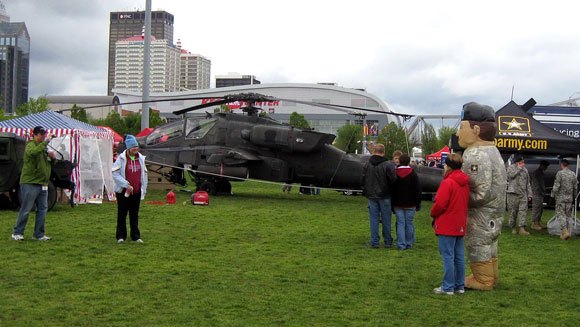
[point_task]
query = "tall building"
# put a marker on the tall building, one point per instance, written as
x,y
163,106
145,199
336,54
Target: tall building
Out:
x,y
164,73
126,24
14,63
195,70
234,79
4,18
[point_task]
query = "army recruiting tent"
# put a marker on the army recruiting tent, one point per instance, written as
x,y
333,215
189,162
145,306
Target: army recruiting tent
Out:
x,y
88,146
519,132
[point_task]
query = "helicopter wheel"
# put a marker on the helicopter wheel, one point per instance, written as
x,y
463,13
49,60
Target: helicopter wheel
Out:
x,y
224,186
208,186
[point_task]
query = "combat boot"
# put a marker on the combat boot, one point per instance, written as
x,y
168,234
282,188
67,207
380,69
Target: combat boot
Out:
x,y
523,231
565,234
536,226
483,277
514,231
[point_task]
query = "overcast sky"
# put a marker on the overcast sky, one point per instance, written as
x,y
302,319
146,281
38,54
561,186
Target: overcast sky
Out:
x,y
418,56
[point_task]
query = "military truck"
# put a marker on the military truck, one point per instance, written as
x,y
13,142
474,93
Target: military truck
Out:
x,y
11,160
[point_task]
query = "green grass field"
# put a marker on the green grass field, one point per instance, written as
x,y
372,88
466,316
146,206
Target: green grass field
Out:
x,y
262,257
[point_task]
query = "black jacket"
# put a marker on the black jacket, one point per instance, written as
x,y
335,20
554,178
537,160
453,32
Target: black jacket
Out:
x,y
377,177
407,189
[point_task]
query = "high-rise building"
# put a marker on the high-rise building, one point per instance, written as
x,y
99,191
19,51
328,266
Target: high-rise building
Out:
x,y
195,70
165,65
4,18
234,79
14,65
126,24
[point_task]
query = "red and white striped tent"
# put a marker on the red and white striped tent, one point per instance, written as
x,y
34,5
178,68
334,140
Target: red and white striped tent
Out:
x,y
90,147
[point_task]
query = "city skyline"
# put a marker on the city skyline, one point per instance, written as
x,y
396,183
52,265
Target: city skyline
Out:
x,y
419,57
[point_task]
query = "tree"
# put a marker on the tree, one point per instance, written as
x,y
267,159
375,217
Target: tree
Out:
x,y
430,143
116,122
3,116
79,113
445,134
297,120
133,121
394,138
349,138
32,106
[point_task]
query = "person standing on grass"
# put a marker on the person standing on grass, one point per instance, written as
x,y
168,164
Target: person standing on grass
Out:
x,y
377,178
565,190
34,184
519,192
450,219
130,176
406,201
538,192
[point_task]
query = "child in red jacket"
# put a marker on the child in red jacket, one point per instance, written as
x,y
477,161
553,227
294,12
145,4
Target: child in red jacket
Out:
x,y
450,217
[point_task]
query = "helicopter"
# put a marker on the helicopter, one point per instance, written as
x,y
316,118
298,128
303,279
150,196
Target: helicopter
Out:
x,y
223,147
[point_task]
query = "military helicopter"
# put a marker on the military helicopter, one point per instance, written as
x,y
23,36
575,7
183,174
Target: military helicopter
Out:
x,y
224,147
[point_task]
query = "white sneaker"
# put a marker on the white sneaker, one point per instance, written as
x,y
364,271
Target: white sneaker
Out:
x,y
120,241
17,237
438,290
44,238
139,241
461,291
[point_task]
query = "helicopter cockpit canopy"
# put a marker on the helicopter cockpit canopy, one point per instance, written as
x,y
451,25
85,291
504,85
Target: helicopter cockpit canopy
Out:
x,y
165,133
197,128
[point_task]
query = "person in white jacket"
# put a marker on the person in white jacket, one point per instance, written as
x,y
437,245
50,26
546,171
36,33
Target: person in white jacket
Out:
x,y
130,175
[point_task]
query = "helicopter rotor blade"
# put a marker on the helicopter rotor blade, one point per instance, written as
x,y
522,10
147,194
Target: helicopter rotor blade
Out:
x,y
201,106
132,102
337,106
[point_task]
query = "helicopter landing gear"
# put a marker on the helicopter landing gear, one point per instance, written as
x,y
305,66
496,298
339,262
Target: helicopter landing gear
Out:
x,y
215,186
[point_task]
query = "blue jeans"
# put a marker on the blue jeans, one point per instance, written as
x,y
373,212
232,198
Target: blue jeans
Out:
x,y
31,194
405,227
451,249
380,210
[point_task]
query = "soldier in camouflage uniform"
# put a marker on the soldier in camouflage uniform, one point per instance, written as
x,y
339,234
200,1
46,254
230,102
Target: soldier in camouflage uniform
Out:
x,y
538,192
564,190
487,183
519,192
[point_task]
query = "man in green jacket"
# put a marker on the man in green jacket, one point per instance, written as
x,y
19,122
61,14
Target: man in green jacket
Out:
x,y
34,184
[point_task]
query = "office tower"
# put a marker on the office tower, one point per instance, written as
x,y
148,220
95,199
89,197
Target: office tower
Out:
x,y
234,79
195,70
14,65
129,65
126,24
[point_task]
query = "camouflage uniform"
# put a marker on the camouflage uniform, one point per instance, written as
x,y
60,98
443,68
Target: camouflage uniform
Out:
x,y
538,191
518,192
564,190
487,183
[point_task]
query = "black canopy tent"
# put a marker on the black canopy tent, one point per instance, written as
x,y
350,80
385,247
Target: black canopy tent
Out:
x,y
519,132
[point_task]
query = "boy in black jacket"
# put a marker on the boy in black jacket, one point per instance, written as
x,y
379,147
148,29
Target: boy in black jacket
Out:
x,y
406,200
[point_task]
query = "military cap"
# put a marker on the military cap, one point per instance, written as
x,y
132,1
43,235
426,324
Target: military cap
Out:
x,y
474,111
518,159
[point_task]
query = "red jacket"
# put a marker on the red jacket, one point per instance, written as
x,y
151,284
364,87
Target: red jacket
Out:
x,y
450,207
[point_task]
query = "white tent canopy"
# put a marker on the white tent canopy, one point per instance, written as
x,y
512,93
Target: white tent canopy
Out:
x,y
90,147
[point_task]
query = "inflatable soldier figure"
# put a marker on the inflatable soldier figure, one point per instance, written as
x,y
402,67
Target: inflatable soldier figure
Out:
x,y
483,164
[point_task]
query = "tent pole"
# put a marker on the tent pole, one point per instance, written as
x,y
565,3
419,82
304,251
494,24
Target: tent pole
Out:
x,y
102,173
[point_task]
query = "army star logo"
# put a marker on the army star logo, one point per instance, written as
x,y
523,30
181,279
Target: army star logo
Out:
x,y
474,169
514,124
